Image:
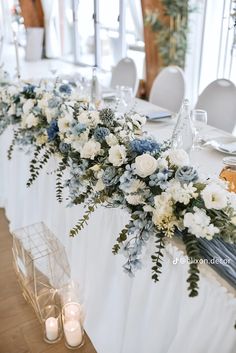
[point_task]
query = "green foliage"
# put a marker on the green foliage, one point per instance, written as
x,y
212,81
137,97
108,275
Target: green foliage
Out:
x,y
59,174
193,253
37,163
157,257
11,148
93,204
121,238
171,32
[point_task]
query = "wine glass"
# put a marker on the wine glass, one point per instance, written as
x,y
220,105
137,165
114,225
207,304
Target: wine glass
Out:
x,y
199,119
125,98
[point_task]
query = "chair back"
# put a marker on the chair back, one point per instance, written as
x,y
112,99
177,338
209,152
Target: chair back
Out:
x,y
125,74
168,89
219,100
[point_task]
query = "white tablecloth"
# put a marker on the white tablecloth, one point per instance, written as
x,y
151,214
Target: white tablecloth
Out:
x,y
124,315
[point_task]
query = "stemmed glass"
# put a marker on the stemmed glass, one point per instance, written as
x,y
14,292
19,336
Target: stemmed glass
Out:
x,y
199,119
125,98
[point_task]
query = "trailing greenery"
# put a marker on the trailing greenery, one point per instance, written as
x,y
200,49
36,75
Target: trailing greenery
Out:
x,y
193,253
171,28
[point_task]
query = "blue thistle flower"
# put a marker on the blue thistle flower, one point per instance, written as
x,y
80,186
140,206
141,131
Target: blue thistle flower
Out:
x,y
100,133
52,130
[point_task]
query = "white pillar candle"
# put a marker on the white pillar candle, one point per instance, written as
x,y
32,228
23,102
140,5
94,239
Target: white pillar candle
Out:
x,y
51,326
72,311
73,333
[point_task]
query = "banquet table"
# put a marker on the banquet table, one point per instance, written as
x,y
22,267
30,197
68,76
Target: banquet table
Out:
x,y
123,314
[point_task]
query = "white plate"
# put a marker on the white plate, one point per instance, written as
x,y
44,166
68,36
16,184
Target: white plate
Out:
x,y
224,144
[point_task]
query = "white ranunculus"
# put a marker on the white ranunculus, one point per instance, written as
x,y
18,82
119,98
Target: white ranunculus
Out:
x,y
27,106
29,121
145,165
64,123
111,140
138,120
214,197
134,199
162,163
117,155
89,118
178,157
198,224
90,149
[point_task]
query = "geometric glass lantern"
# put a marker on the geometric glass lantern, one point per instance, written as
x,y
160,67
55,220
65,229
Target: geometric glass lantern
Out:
x,y
41,266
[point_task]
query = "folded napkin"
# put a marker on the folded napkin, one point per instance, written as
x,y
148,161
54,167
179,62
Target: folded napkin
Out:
x,y
229,147
156,115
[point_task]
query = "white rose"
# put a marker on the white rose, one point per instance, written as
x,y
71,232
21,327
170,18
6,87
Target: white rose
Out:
x,y
28,105
117,155
111,140
145,165
178,157
90,149
214,197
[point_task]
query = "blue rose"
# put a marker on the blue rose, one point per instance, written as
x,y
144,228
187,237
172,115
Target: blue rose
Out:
x,y
110,176
65,89
186,174
52,130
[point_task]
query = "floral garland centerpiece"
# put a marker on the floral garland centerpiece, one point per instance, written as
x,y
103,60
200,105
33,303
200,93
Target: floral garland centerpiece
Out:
x,y
112,163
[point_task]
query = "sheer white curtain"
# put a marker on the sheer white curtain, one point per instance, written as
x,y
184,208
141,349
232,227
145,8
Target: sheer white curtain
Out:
x,y
5,20
52,28
194,51
136,11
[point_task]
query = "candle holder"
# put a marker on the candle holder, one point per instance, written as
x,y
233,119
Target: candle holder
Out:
x,y
52,326
41,266
72,320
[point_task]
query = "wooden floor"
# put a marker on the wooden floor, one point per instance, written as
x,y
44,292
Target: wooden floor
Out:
x,y
20,331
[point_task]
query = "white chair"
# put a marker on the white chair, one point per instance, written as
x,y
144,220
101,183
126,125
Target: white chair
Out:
x,y
125,74
219,100
168,89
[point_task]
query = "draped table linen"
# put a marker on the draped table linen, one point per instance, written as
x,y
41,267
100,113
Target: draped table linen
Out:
x,y
123,314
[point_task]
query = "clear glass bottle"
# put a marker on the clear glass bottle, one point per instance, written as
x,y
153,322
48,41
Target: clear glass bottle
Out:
x,y
228,173
95,88
183,134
